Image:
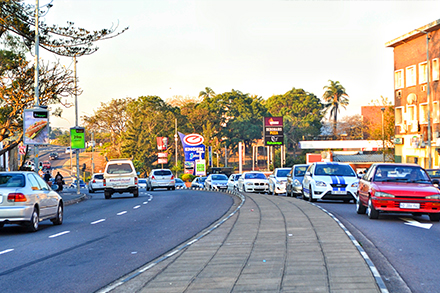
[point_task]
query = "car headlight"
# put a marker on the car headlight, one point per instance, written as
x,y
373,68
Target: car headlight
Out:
x,y
248,183
382,194
434,196
320,183
355,184
296,182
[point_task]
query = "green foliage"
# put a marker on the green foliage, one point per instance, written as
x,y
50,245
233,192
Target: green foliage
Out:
x,y
187,177
335,97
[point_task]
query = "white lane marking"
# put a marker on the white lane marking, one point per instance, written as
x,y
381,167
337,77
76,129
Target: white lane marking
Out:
x,y
412,222
96,222
59,234
147,268
145,202
136,207
6,251
121,213
172,253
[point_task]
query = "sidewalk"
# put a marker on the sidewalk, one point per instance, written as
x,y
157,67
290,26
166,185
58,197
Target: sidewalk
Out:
x,y
70,196
270,244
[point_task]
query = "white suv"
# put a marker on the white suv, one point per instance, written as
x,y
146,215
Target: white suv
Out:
x,y
120,176
161,178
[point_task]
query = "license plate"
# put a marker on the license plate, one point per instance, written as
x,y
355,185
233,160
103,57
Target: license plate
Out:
x,y
406,205
339,192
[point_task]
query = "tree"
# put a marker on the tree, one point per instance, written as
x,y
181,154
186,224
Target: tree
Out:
x,y
302,112
207,93
110,118
352,127
149,117
334,97
18,18
17,92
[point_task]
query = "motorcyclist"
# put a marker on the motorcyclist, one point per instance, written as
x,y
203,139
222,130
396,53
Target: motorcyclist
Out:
x,y
59,181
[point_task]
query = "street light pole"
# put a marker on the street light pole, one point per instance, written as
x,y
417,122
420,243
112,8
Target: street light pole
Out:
x,y
383,135
37,74
76,125
428,100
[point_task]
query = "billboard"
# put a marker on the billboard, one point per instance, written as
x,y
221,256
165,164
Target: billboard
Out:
x,y
273,131
162,143
193,149
36,126
77,138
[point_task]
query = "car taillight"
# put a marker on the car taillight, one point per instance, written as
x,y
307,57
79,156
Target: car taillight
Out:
x,y
94,181
17,197
103,182
152,177
172,177
135,180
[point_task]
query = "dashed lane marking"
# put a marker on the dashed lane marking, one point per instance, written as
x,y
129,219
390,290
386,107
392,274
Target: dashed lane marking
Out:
x,y
59,234
96,222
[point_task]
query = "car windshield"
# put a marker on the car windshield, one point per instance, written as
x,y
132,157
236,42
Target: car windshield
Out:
x,y
401,174
282,173
334,170
202,179
121,168
433,173
219,177
100,176
300,171
255,176
162,173
179,180
12,180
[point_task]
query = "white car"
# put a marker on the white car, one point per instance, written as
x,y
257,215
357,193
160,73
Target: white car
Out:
x,y
216,182
330,181
161,178
96,182
278,181
253,181
233,182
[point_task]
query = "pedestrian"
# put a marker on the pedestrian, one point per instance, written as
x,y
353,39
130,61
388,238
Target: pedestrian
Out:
x,y
47,177
59,181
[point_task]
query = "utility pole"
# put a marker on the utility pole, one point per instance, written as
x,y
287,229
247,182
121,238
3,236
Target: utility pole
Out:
x,y
37,75
175,141
76,125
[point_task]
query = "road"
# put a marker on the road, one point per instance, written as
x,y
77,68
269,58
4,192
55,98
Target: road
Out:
x,y
102,240
402,247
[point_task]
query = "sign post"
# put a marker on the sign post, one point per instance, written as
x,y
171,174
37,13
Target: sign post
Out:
x,y
77,141
273,131
36,129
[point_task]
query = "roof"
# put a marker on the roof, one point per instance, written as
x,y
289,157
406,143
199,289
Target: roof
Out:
x,y
435,25
360,158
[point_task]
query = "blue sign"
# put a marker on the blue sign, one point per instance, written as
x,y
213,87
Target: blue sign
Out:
x,y
192,150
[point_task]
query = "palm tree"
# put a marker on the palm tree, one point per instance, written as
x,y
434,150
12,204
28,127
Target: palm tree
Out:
x,y
334,98
207,93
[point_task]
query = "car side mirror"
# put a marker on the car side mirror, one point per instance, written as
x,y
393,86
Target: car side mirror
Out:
x,y
308,173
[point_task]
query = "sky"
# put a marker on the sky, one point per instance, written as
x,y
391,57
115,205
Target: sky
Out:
x,y
263,48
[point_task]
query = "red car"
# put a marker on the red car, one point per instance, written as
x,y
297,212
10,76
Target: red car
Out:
x,y
46,165
398,188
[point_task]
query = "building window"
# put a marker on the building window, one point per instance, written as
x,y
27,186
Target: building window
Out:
x,y
422,72
410,76
411,113
423,113
398,79
435,112
398,115
435,69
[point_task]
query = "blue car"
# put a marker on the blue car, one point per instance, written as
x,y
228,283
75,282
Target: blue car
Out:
x,y
82,184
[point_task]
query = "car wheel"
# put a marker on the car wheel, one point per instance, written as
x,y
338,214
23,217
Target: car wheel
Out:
x,y
33,223
303,196
360,208
371,211
311,199
136,193
173,188
434,217
107,195
59,219
91,190
151,188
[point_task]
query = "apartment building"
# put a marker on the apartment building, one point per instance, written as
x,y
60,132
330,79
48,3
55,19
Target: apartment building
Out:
x,y
415,74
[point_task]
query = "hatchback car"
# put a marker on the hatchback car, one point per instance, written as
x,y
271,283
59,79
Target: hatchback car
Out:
x,y
96,182
180,183
233,182
198,182
295,179
398,188
142,183
216,181
27,199
330,180
82,184
253,181
278,181
161,178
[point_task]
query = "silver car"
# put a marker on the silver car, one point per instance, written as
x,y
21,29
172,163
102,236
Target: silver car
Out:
x,y
295,179
26,199
161,178
233,182
96,182
216,181
278,180
198,182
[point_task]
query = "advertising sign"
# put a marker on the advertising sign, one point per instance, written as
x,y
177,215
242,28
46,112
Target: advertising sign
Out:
x,y
36,126
162,143
77,138
193,149
200,168
273,131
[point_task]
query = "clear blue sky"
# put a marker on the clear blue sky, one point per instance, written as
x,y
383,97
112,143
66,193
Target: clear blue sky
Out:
x,y
258,47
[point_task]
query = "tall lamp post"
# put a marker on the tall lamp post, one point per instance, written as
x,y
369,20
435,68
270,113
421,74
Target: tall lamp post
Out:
x,y
428,100
383,134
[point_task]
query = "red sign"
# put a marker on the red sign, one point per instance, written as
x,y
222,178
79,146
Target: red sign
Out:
x,y
273,121
193,139
162,155
162,143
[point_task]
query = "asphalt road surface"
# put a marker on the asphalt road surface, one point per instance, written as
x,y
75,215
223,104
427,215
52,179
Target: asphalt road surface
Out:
x,y
405,249
102,240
